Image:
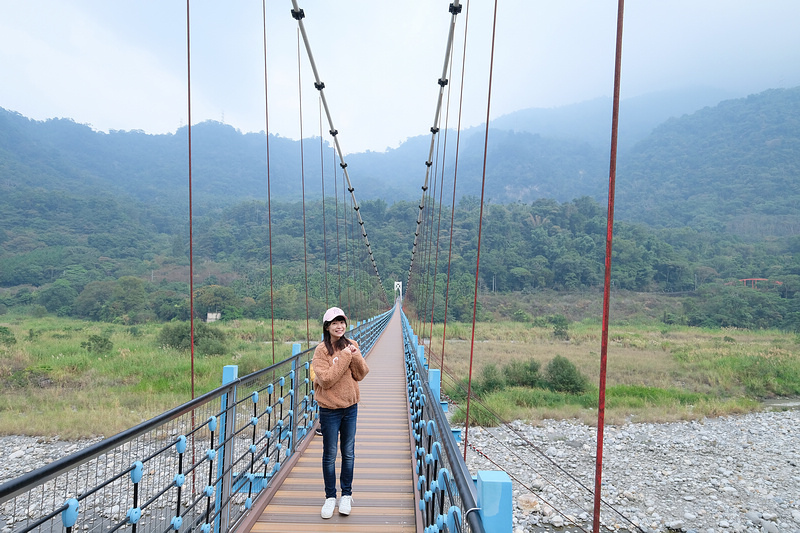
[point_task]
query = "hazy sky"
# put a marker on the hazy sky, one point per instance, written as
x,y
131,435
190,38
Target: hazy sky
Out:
x,y
122,64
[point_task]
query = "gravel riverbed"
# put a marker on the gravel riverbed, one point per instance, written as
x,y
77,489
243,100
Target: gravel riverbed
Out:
x,y
727,474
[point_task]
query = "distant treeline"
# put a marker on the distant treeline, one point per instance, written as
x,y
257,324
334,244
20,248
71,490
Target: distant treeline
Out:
x,y
104,259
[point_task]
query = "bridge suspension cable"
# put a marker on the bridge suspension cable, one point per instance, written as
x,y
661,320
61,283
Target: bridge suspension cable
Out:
x,y
191,239
441,193
455,10
480,226
298,14
303,192
455,178
269,192
324,224
612,172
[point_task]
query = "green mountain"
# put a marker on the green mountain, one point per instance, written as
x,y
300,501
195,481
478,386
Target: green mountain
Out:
x,y
733,168
590,121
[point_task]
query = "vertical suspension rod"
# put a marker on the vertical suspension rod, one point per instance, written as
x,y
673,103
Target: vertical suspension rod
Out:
x,y
269,191
455,179
191,246
612,172
480,229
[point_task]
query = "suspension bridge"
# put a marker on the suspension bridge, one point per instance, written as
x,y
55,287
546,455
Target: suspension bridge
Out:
x,y
244,457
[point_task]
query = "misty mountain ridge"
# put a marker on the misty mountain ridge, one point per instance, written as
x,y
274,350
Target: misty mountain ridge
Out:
x,y
590,121
681,161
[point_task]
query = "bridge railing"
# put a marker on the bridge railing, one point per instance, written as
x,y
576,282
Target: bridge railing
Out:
x,y
448,495
198,467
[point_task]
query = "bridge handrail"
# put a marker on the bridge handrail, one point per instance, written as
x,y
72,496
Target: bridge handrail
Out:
x,y
199,430
426,408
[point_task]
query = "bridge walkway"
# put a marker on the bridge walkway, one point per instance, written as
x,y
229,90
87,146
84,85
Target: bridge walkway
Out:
x,y
383,481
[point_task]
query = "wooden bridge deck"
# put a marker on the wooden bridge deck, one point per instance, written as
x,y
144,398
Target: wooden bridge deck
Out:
x,y
383,480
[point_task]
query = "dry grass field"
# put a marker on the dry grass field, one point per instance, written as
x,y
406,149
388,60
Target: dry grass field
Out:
x,y
56,382
654,372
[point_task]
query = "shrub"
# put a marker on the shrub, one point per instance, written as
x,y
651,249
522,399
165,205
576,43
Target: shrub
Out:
x,y
491,379
563,376
521,316
523,373
98,344
207,339
560,326
7,336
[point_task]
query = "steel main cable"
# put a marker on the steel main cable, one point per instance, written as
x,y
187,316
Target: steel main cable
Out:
x,y
454,9
298,14
441,197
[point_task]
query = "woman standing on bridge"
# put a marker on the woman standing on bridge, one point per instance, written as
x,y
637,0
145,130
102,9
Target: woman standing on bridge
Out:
x,y
339,366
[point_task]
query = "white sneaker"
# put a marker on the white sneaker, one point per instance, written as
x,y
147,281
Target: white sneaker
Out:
x,y
345,504
328,507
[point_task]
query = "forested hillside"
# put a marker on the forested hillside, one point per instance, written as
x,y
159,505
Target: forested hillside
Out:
x,y
732,168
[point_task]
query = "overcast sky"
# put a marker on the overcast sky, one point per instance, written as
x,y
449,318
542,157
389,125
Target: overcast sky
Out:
x,y
123,65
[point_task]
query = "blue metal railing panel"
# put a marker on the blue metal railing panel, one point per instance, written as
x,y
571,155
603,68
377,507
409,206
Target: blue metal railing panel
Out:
x,y
196,468
446,494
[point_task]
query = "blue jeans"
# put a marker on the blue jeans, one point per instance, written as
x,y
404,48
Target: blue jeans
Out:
x,y
338,423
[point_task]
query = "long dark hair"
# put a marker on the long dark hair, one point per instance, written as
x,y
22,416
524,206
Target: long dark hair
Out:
x,y
340,344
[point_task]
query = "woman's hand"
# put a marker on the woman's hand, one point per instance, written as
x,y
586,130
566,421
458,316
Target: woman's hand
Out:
x,y
352,349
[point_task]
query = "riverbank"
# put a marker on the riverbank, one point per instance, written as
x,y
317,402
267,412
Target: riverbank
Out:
x,y
728,474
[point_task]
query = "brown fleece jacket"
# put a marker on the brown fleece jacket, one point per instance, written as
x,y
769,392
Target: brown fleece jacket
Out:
x,y
337,376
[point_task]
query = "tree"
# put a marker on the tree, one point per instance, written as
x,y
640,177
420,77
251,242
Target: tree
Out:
x,y
92,302
58,298
128,299
563,376
217,299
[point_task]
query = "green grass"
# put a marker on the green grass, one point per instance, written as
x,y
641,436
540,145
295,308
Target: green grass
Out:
x,y
655,373
53,384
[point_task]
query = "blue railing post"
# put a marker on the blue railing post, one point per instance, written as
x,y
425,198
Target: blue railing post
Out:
x,y
495,500
294,414
435,383
230,373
